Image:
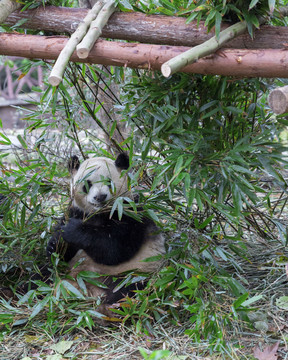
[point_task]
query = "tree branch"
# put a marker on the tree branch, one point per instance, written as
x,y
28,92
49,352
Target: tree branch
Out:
x,y
95,29
57,72
207,48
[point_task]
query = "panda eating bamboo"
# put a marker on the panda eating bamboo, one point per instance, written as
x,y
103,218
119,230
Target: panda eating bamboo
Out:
x,y
96,242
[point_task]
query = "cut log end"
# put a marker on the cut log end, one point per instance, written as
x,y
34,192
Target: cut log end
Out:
x,y
166,70
278,100
82,53
54,80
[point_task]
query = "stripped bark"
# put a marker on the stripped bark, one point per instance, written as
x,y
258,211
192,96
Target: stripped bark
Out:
x,y
208,47
58,70
95,29
237,62
6,8
152,29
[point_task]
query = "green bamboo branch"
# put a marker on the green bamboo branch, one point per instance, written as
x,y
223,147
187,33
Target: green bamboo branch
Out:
x,y
57,72
95,29
208,47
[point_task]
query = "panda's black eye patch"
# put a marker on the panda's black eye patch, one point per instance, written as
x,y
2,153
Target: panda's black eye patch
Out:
x,y
86,187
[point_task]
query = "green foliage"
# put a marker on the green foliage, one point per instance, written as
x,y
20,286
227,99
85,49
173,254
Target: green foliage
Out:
x,y
217,145
200,147
32,4
192,293
211,12
155,355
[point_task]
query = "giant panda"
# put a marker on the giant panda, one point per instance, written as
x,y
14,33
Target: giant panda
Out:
x,y
94,241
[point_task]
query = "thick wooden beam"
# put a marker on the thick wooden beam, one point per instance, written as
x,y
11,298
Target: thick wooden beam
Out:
x,y
278,100
239,62
153,29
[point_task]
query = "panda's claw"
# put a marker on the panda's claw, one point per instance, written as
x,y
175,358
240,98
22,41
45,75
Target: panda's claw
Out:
x,y
51,247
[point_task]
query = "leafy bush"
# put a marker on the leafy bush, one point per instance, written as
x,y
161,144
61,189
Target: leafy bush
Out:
x,y
201,147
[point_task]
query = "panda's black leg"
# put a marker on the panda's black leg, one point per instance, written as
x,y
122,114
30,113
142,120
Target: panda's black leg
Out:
x,y
129,290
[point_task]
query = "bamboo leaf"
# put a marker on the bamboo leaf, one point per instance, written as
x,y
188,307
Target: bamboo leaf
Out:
x,y
253,3
237,201
7,140
241,300
39,307
72,289
252,300
218,20
112,130
271,5
22,141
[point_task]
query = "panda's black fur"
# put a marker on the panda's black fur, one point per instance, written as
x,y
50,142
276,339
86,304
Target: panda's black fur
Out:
x,y
99,242
106,240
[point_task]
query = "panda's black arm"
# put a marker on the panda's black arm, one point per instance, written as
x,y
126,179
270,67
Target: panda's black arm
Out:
x,y
109,245
57,245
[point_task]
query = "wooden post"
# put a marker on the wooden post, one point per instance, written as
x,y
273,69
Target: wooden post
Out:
x,y
278,100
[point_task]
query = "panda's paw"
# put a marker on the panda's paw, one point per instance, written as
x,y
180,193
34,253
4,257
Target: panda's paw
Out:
x,y
71,232
51,247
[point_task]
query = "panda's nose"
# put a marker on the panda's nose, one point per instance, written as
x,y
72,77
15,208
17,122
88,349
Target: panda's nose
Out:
x,y
100,197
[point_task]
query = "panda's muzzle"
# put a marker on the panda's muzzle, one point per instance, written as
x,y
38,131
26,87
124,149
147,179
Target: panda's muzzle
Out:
x,y
100,198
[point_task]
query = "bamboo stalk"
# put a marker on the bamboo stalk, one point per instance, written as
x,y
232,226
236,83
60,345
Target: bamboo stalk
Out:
x,y
57,72
6,8
95,29
210,46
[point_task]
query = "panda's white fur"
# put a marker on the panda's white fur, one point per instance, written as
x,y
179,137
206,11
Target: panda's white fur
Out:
x,y
95,242
102,172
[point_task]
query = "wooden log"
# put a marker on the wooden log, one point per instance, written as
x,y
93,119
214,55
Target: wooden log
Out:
x,y
237,62
153,29
278,100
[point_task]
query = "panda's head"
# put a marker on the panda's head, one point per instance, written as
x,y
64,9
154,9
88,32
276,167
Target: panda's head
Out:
x,y
97,180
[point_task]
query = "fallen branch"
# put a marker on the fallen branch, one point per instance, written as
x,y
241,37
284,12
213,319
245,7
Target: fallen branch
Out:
x,y
210,46
95,29
151,29
57,72
237,62
6,8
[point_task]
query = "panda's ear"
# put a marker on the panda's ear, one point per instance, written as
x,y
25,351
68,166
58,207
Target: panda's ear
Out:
x,y
73,164
122,161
